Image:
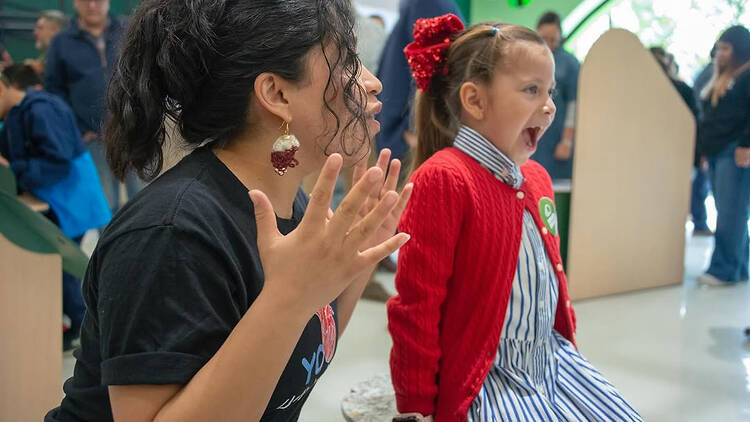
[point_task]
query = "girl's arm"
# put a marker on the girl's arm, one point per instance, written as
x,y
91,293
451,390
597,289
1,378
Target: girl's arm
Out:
x,y
433,217
347,301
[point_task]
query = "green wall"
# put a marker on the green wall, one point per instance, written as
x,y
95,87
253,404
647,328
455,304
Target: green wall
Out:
x,y
501,10
465,6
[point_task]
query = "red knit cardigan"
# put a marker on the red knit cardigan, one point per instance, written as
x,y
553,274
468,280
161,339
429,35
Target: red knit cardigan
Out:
x,y
455,277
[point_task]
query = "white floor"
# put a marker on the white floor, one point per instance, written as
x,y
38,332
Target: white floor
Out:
x,y
677,353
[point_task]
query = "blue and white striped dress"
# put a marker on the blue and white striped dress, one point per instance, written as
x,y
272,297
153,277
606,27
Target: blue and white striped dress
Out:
x,y
538,375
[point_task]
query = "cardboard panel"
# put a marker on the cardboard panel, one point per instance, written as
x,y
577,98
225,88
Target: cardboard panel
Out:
x,y
631,178
31,332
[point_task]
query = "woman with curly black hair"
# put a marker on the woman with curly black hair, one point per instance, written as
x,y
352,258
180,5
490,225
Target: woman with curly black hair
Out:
x,y
197,311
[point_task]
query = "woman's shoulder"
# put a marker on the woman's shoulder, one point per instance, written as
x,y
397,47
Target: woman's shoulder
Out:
x,y
189,197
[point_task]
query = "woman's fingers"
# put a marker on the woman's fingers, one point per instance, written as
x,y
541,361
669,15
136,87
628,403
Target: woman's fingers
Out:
x,y
349,208
403,200
364,229
359,169
320,198
393,172
383,158
382,164
376,254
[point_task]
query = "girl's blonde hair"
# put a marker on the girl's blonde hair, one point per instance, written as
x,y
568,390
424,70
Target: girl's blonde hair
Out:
x,y
474,55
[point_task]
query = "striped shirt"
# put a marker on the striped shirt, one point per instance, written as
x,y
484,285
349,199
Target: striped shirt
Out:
x,y
537,375
479,148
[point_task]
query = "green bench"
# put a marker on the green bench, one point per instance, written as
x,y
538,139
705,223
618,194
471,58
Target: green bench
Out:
x,y
34,232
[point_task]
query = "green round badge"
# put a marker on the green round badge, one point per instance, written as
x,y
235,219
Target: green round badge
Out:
x,y
549,214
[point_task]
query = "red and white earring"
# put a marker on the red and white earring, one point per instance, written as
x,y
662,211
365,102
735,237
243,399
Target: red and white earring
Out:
x,y
282,153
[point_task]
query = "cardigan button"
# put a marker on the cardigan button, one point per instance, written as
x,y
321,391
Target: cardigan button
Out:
x,y
567,303
520,195
544,230
559,267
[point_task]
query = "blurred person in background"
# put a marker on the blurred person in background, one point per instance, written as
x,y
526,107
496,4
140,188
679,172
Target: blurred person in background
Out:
x,y
555,151
79,64
43,147
697,208
724,139
701,185
371,38
396,132
705,75
49,24
5,59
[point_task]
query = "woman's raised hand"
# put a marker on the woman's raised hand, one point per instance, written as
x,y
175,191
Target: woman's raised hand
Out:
x,y
312,265
392,169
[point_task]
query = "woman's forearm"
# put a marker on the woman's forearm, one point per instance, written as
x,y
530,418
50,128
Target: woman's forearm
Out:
x,y
348,299
238,381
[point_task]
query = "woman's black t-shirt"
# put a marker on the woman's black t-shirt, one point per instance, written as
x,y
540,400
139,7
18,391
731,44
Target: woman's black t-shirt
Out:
x,y
172,275
729,121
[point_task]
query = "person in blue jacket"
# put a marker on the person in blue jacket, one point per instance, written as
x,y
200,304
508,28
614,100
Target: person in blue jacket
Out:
x,y
42,144
555,151
80,60
398,86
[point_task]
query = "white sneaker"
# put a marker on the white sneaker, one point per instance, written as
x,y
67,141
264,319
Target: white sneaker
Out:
x,y
709,280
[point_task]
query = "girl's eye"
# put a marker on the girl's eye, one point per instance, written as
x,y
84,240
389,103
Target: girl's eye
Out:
x,y
552,92
532,89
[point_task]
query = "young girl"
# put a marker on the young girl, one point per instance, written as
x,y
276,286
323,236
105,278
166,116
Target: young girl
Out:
x,y
197,311
483,327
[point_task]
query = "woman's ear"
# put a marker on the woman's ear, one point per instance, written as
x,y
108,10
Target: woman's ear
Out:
x,y
269,90
473,100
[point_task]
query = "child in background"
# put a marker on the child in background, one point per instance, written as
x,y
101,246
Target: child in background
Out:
x,y
42,144
482,327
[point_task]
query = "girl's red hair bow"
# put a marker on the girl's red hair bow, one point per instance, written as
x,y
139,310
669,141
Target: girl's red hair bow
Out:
x,y
427,53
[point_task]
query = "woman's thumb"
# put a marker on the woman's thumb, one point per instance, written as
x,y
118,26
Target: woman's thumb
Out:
x,y
265,218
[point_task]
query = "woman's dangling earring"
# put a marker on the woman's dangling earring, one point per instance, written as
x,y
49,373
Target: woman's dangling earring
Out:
x,y
282,153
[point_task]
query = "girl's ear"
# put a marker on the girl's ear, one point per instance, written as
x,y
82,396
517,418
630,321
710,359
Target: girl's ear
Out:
x,y
474,100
